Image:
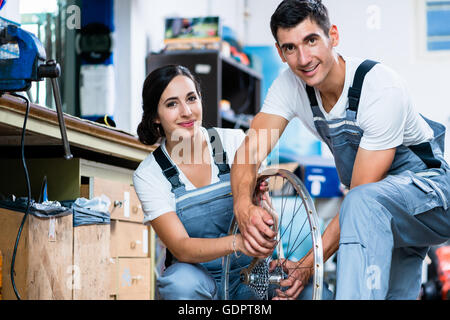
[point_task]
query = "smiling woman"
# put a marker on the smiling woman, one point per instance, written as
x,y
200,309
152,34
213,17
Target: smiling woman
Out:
x,y
184,188
180,112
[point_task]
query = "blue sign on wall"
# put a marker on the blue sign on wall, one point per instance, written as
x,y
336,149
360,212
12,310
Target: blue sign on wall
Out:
x,y
438,26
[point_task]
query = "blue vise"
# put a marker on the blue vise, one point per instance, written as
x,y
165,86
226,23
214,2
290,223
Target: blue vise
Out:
x,y
19,69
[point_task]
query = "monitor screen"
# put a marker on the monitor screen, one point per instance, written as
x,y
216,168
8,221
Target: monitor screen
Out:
x,y
183,30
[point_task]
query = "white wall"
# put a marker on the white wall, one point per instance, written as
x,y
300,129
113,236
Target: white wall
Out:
x,y
397,43
11,10
392,39
139,30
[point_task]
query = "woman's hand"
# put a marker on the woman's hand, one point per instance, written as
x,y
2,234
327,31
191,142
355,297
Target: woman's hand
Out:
x,y
240,246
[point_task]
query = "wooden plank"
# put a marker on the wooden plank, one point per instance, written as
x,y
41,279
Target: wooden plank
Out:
x,y
114,279
91,259
10,222
43,258
82,133
105,171
50,261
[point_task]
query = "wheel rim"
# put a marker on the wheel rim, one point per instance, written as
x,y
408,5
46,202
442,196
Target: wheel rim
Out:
x,y
298,232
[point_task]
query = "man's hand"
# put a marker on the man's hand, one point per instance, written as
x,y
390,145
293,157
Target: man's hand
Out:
x,y
254,222
298,276
261,192
255,226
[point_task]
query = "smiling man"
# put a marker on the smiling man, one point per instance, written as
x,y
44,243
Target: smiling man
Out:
x,y
387,154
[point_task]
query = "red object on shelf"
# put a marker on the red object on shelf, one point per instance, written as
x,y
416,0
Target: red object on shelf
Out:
x,y
443,256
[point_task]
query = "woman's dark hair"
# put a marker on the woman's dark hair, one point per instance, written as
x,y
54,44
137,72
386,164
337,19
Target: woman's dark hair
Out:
x,y
156,82
290,13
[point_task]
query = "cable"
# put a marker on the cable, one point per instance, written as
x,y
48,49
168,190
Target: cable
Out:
x,y
27,177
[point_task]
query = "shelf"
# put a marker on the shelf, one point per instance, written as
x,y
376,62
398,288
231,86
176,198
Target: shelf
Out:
x,y
241,67
228,60
222,78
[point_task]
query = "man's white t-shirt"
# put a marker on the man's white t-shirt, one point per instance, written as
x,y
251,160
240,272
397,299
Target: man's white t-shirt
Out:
x,y
386,113
155,191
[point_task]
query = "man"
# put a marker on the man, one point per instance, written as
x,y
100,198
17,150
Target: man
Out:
x,y
389,156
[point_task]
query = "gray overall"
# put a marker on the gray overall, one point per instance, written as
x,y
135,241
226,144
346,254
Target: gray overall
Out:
x,y
205,213
386,227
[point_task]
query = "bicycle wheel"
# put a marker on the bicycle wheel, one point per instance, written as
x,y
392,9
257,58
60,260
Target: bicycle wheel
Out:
x,y
298,235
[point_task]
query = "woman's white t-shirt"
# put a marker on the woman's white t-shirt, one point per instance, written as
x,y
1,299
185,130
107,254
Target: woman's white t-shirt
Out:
x,y
386,112
154,190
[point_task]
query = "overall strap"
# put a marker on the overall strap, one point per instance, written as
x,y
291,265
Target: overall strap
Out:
x,y
312,96
313,102
354,93
169,170
218,152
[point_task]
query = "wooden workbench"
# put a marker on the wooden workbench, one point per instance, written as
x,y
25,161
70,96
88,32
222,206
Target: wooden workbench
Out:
x,y
84,136
103,157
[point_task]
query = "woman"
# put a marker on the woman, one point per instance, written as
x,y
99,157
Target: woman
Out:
x,y
184,188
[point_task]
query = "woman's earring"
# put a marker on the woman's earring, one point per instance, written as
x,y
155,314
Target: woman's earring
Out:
x,y
158,127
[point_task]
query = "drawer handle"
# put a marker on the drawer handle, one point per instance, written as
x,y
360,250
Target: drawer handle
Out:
x,y
118,203
134,243
136,278
135,210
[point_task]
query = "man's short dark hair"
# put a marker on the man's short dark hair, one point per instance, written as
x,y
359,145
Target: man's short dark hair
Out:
x,y
290,13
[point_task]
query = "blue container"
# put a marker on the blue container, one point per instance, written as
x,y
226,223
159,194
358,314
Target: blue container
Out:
x,y
320,177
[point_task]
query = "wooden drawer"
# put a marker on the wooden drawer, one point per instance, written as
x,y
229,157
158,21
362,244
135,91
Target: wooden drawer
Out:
x,y
125,204
131,279
129,239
